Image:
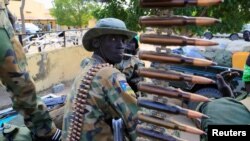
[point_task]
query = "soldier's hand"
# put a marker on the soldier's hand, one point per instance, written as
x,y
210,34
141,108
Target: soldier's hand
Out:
x,y
134,79
223,87
229,75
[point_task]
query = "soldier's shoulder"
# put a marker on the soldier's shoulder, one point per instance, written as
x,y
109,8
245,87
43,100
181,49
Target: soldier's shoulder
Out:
x,y
2,4
136,60
107,72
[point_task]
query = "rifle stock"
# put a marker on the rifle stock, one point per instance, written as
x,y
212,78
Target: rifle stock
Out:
x,y
169,75
174,40
157,21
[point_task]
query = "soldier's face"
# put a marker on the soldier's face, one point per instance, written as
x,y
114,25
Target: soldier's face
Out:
x,y
112,47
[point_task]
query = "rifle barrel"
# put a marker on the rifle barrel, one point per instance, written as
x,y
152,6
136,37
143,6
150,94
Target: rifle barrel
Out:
x,y
174,40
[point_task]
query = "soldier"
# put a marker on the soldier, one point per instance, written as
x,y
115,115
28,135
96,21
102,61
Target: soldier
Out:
x,y
109,96
130,64
17,80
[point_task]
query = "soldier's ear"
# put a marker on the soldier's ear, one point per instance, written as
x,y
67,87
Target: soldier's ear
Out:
x,y
96,43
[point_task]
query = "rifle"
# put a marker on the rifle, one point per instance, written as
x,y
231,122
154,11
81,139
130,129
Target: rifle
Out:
x,y
177,3
165,40
172,109
170,92
157,21
176,76
169,124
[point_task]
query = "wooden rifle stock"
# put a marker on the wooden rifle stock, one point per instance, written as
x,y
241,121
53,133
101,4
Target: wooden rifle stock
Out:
x,y
156,21
170,92
177,3
174,40
174,59
169,75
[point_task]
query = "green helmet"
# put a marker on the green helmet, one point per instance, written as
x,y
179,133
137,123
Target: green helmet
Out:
x,y
103,27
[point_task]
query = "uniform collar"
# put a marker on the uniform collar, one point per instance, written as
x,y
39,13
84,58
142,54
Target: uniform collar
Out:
x,y
98,59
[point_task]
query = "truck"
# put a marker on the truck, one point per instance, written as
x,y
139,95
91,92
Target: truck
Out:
x,y
212,91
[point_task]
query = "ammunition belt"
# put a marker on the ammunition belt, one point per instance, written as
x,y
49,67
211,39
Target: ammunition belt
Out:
x,y
80,103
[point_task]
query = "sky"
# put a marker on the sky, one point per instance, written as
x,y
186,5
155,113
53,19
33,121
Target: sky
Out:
x,y
46,3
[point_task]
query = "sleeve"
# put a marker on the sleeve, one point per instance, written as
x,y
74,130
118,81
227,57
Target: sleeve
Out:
x,y
246,72
122,98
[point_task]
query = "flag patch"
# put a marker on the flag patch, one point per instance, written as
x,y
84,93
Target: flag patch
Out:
x,y
124,85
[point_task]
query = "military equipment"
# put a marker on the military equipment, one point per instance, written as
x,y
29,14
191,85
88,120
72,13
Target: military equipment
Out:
x,y
169,124
156,135
51,102
170,92
165,40
7,113
156,21
170,75
80,102
177,3
118,129
173,109
173,59
210,90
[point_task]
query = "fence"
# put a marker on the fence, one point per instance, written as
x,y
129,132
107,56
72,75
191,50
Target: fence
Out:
x,y
49,40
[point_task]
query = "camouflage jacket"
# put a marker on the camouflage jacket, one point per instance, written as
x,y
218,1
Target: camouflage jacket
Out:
x,y
127,66
109,97
5,22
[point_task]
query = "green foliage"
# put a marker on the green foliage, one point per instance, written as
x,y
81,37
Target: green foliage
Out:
x,y
128,11
72,12
233,13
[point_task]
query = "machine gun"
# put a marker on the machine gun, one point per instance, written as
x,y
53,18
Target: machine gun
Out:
x,y
149,124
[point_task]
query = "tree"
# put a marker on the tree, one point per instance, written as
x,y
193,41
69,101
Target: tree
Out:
x,y
233,13
128,11
72,12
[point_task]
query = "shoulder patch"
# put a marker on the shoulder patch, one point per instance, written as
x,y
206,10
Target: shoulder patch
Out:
x,y
123,85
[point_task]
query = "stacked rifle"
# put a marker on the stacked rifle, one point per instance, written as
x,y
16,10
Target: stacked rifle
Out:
x,y
157,118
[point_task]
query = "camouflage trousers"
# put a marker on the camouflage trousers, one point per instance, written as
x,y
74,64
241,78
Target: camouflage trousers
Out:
x,y
17,80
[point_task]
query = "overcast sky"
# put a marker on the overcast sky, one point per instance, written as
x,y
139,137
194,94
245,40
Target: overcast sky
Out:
x,y
47,3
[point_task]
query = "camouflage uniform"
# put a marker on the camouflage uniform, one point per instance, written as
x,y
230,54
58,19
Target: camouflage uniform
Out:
x,y
14,76
109,97
127,66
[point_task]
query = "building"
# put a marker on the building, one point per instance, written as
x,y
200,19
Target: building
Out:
x,y
34,12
